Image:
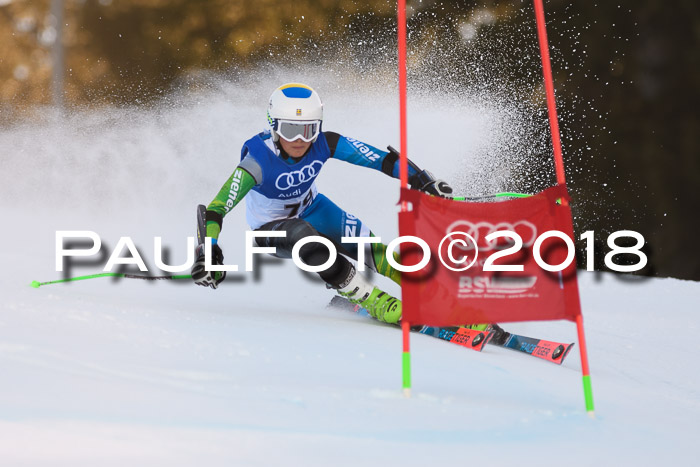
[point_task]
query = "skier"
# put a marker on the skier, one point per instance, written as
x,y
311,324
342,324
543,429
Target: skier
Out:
x,y
277,174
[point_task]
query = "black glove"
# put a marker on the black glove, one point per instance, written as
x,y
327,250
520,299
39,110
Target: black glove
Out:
x,y
427,183
208,278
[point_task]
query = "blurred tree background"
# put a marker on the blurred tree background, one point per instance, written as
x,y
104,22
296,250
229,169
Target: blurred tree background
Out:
x,y
627,77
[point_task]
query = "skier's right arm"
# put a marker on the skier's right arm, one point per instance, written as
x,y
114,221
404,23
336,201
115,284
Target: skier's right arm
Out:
x,y
231,193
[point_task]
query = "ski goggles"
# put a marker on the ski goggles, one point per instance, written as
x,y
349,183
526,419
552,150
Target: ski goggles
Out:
x,y
292,130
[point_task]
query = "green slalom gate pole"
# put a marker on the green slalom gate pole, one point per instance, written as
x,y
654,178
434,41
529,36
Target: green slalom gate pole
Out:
x,y
37,284
406,358
585,371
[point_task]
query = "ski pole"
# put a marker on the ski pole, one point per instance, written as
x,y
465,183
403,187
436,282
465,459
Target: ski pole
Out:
x,y
497,195
37,284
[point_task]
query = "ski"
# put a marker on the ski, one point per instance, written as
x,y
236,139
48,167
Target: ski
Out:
x,y
554,352
469,338
551,351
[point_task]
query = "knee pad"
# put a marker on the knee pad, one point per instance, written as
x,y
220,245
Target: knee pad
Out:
x,y
297,229
315,254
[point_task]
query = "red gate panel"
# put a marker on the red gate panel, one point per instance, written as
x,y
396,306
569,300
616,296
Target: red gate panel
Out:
x,y
438,296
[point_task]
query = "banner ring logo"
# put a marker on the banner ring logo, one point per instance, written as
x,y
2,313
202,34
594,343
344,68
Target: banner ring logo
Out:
x,y
480,230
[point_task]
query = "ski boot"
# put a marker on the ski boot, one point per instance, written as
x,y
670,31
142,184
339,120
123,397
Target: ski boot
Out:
x,y
378,303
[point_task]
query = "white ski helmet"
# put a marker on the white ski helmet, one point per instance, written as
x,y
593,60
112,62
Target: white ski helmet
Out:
x,y
295,112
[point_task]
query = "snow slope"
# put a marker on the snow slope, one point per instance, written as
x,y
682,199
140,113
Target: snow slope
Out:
x,y
259,372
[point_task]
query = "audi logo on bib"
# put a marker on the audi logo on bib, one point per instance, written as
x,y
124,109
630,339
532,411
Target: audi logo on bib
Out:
x,y
480,230
295,178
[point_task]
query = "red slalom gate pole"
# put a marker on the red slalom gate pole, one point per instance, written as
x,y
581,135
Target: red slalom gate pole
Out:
x,y
403,175
549,90
403,158
561,179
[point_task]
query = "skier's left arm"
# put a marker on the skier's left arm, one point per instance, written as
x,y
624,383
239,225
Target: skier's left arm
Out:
x,y
362,154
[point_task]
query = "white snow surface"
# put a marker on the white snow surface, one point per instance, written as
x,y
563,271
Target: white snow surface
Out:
x,y
259,372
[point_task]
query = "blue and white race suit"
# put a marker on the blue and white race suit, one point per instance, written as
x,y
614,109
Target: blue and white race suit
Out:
x,y
287,188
